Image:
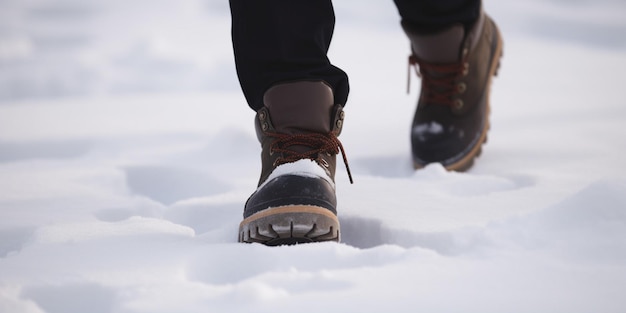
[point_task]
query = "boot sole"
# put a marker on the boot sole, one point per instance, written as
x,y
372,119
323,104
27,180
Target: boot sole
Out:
x,y
288,225
467,161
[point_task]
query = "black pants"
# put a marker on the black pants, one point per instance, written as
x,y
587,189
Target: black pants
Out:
x,y
287,40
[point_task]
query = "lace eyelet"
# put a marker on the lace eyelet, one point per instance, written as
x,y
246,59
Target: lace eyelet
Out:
x,y
461,87
458,104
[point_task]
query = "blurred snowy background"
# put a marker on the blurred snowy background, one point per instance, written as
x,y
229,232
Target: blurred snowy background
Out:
x,y
60,48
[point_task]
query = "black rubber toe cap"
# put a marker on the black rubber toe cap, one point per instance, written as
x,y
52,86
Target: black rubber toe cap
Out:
x,y
292,190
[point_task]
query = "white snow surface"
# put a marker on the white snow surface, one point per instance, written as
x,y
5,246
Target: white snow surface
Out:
x,y
127,152
306,168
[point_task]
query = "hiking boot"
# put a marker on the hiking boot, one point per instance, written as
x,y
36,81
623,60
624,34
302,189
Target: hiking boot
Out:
x,y
295,200
456,67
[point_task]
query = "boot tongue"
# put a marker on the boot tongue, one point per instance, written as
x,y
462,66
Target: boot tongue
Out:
x,y
440,47
300,107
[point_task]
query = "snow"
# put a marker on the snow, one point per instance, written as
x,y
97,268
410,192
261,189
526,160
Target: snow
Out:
x,y
427,128
127,153
306,168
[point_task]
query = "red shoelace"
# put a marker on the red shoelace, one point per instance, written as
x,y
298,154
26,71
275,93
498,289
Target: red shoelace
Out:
x,y
441,87
319,143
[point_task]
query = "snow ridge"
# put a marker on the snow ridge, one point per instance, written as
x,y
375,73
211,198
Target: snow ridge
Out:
x,y
127,153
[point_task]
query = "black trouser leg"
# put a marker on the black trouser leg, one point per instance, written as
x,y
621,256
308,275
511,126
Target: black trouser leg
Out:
x,y
433,15
286,40
283,40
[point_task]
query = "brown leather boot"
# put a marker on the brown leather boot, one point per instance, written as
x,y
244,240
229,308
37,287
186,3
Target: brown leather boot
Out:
x,y
456,67
295,200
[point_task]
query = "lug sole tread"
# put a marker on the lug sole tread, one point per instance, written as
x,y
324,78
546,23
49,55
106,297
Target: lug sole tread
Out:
x,y
288,225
